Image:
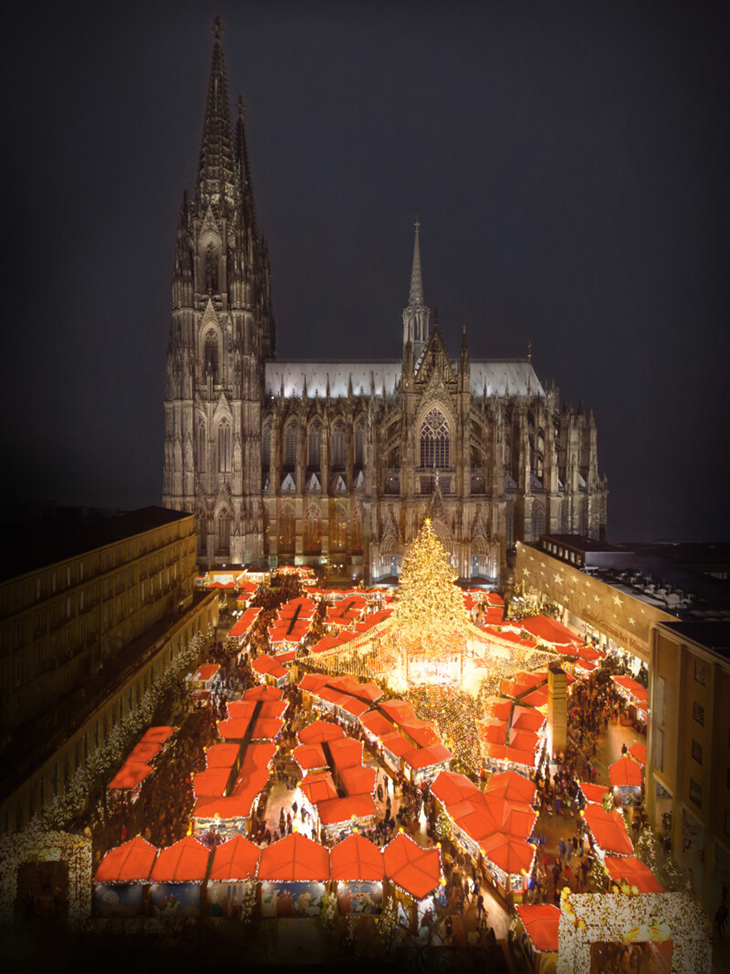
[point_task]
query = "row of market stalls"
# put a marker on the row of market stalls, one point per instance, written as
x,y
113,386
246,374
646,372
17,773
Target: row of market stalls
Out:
x,y
287,879
139,763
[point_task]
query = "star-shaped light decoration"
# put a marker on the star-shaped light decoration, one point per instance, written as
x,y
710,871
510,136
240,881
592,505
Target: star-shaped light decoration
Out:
x,y
596,598
558,578
617,600
632,621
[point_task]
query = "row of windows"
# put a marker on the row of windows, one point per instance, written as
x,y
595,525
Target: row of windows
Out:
x,y
338,444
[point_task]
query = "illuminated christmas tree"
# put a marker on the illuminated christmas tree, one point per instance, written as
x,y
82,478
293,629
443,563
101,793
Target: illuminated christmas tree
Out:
x,y
429,619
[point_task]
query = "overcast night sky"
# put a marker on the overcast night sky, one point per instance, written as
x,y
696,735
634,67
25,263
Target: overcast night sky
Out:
x,y
569,164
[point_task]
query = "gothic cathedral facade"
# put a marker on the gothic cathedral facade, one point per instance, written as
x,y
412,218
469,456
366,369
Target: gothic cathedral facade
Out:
x,y
338,463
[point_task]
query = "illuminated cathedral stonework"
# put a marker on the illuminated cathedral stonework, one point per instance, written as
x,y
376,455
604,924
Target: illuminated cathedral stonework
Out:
x,y
339,462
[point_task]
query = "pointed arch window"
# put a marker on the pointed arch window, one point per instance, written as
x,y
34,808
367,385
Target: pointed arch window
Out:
x,y
224,446
224,531
338,529
211,357
287,531
435,440
356,532
266,445
314,445
290,445
211,269
360,444
538,521
313,531
339,447
200,443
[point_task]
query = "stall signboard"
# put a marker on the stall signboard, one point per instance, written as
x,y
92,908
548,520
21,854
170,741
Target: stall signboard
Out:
x,y
291,899
175,899
118,900
224,899
361,898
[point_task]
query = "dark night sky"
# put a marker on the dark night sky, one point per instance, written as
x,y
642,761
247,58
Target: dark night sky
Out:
x,y
569,163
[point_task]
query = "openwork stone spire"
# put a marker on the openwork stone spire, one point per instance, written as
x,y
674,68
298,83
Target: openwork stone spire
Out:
x,y
216,168
416,315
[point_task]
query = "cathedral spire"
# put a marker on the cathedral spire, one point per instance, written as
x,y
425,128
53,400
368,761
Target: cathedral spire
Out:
x,y
243,171
216,147
416,315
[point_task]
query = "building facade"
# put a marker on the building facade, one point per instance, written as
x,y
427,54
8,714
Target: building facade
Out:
x,y
338,462
83,633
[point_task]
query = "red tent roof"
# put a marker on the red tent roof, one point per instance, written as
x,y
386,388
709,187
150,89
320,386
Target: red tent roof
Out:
x,y
247,708
128,863
266,729
414,869
609,830
538,698
318,731
593,793
245,622
541,924
625,772
509,853
399,710
157,735
513,786
356,858
422,732
318,787
234,861
184,862
638,753
234,728
527,719
344,809
294,859
263,692
634,871
210,783
451,788
377,724
309,756
358,781
221,755
129,775
396,744
427,757
311,682
550,630
144,752
230,808
346,753
205,672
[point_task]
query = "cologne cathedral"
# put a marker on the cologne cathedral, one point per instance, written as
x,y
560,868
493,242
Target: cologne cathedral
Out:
x,y
338,463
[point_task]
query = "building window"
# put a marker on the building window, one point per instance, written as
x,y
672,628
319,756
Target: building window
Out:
x,y
338,529
224,446
696,751
695,792
659,749
266,445
660,706
314,445
698,713
313,531
287,531
435,440
700,673
339,448
211,357
359,445
290,445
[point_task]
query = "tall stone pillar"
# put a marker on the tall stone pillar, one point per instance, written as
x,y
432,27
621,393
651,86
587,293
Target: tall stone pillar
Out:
x,y
557,719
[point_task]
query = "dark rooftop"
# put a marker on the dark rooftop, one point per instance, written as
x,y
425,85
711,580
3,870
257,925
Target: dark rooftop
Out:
x,y
580,543
712,635
55,534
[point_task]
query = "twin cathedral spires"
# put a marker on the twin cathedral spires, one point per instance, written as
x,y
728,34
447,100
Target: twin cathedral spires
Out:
x,y
337,463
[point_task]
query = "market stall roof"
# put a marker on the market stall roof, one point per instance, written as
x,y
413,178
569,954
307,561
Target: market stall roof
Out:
x,y
130,862
266,709
413,868
638,753
245,622
343,810
211,783
396,743
537,698
205,672
510,637
346,753
318,731
589,653
513,786
221,755
331,642
541,922
230,808
234,861
527,719
377,724
294,859
499,709
310,756
524,740
634,871
608,829
263,692
359,780
129,776
625,773
593,793
422,732
233,728
184,862
495,733
266,665
450,787
144,753
318,787
363,691
629,685
372,620
550,631
266,728
427,757
157,735
401,711
312,682
508,852
356,858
